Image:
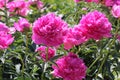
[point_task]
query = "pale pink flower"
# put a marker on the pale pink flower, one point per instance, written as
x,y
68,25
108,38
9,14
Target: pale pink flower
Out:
x,y
74,37
36,2
116,11
70,67
20,7
39,4
84,9
49,30
12,30
46,53
77,1
96,25
22,24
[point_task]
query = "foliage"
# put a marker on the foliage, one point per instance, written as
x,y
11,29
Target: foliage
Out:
x,y
21,62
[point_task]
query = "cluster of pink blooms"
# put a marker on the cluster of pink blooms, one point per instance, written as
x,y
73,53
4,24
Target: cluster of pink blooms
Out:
x,y
52,31
46,53
20,7
5,38
70,67
94,25
115,4
49,30
22,24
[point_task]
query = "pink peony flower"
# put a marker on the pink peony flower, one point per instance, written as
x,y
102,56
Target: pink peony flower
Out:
x,y
3,27
95,25
22,24
49,30
74,37
20,7
5,38
70,67
46,55
116,11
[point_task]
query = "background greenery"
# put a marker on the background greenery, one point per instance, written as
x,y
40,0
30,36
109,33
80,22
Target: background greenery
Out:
x,y
101,57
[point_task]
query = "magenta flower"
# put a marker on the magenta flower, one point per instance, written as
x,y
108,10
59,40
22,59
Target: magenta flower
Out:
x,y
2,3
117,2
116,11
96,25
46,54
22,24
5,38
49,30
19,7
70,67
74,37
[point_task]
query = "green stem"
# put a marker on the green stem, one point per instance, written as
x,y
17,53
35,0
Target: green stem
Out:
x,y
1,71
105,58
44,68
100,52
94,62
26,41
6,14
1,66
47,53
45,63
110,44
22,66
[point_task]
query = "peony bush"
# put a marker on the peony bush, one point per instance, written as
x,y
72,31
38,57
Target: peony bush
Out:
x,y
59,39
